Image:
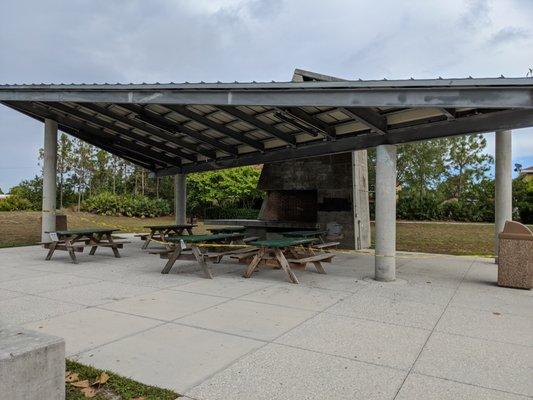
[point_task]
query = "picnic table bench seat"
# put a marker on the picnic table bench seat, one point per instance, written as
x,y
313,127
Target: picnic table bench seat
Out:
x,y
316,260
326,245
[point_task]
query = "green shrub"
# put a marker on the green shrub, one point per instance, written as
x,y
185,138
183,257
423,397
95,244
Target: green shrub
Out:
x,y
130,206
15,203
417,208
31,190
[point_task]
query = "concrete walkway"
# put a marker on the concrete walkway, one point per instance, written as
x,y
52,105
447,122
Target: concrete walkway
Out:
x,y
443,331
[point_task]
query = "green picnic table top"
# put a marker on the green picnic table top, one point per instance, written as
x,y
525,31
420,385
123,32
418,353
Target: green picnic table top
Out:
x,y
204,238
170,226
86,231
304,233
280,243
227,229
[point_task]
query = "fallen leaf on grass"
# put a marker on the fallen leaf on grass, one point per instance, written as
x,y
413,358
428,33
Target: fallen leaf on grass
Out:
x,y
139,398
72,377
103,378
81,384
88,392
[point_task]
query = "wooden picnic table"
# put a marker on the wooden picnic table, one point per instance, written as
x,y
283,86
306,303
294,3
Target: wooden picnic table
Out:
x,y
226,229
162,231
176,245
278,249
75,240
306,234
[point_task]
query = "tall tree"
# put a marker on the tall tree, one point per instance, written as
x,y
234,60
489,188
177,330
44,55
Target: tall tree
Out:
x,y
421,165
83,167
65,159
466,162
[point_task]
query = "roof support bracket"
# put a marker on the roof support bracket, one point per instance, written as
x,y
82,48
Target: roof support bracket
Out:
x,y
376,122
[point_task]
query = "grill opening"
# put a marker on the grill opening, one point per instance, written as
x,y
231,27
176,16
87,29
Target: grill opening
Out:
x,y
290,205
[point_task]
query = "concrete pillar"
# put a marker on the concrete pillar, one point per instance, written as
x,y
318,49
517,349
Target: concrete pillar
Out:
x,y
49,179
385,258
504,183
180,198
361,209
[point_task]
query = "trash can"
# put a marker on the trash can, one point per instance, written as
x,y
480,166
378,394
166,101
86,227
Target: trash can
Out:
x,y
515,256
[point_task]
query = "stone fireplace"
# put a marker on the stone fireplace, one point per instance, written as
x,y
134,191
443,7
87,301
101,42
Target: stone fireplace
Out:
x,y
330,192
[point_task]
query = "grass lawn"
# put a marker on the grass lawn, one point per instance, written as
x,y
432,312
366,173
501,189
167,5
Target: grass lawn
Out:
x,y
115,387
23,228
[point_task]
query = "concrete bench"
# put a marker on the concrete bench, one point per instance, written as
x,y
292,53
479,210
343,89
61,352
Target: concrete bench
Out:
x,y
32,365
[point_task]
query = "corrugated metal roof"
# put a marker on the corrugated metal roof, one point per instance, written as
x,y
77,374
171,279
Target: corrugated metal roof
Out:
x,y
382,83
186,127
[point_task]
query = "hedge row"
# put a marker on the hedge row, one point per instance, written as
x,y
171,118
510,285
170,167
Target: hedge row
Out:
x,y
130,206
15,203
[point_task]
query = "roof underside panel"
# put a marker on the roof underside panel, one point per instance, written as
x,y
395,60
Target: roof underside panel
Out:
x,y
181,128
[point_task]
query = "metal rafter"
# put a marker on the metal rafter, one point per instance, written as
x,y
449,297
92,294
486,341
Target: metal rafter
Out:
x,y
240,136
161,122
135,159
135,123
310,120
161,146
473,124
102,136
376,122
252,120
449,113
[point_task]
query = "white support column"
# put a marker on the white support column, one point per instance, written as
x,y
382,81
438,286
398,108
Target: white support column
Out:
x,y
360,199
180,198
49,179
385,258
504,183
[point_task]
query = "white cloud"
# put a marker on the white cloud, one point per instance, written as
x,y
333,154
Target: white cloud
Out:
x,y
193,40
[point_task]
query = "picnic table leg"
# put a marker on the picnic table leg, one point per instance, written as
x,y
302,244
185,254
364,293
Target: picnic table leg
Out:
x,y
285,265
70,248
319,267
148,240
114,247
189,231
254,263
51,250
97,239
201,260
172,259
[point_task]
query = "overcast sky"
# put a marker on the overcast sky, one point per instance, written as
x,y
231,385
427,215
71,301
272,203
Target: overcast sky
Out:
x,y
86,41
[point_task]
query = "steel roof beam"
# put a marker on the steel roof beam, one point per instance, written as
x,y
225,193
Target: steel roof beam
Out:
x,y
135,123
162,146
310,120
161,122
141,161
250,119
102,136
500,120
376,122
216,126
471,93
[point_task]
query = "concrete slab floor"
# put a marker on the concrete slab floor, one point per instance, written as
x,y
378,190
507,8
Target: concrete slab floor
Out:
x,y
444,329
